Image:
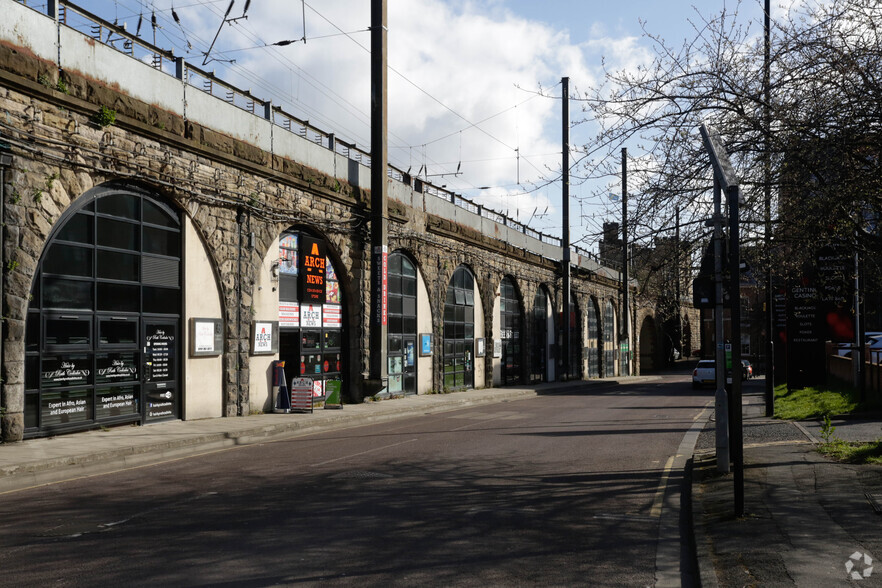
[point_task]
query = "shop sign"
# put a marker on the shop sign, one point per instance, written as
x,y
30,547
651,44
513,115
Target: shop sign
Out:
x,y
332,316
263,338
68,370
66,407
116,367
312,270
206,337
311,316
115,402
381,294
289,314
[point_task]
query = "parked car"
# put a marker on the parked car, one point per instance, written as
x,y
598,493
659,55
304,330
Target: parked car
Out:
x,y
704,373
747,370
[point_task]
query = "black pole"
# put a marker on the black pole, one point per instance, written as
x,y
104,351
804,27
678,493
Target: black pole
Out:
x,y
677,292
767,194
626,327
379,217
736,434
565,240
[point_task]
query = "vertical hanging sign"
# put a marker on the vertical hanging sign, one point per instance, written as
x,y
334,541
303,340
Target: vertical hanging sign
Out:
x,y
312,271
381,263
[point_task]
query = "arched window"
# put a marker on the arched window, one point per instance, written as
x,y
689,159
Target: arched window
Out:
x,y
459,331
402,329
593,343
574,371
609,340
510,331
103,342
311,334
539,336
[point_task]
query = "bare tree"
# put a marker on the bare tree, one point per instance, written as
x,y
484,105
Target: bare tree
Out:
x,y
824,140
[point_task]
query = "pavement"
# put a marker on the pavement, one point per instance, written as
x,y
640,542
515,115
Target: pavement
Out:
x,y
809,521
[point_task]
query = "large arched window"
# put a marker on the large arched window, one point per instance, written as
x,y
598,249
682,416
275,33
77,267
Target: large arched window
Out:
x,y
459,331
574,371
609,340
402,329
539,336
510,331
103,327
593,343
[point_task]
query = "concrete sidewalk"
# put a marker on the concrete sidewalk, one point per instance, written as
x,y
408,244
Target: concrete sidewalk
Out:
x,y
809,521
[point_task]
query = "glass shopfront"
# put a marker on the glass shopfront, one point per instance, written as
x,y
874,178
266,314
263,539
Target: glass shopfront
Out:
x,y
310,313
459,331
510,332
101,344
402,330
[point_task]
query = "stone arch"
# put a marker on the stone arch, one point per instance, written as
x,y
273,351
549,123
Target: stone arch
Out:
x,y
508,323
648,351
461,320
593,342
609,330
105,317
687,337
315,335
542,334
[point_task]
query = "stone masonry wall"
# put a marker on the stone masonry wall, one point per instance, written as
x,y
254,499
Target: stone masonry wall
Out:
x,y
230,190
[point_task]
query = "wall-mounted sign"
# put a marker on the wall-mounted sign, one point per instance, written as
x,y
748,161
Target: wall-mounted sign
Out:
x,y
380,261
481,349
206,337
425,344
289,314
311,316
264,337
312,270
332,316
497,348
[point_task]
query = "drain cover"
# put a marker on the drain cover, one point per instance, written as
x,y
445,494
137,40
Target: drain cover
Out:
x,y
875,501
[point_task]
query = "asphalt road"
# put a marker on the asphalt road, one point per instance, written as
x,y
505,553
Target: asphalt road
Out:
x,y
558,490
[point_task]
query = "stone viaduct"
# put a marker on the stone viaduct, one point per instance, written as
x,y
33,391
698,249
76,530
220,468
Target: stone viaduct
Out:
x,y
97,136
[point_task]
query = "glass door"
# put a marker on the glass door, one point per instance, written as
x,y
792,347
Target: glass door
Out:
x,y
160,385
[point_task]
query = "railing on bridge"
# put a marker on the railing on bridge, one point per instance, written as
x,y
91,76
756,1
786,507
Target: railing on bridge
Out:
x,y
117,37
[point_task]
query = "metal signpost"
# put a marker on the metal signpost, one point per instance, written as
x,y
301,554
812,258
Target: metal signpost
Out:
x,y
724,176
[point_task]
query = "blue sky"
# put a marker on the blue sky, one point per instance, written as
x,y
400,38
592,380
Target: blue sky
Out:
x,y
464,86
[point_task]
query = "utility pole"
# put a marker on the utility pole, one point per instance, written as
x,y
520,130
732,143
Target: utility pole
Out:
x,y
626,326
736,433
565,240
767,198
721,399
379,218
677,292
